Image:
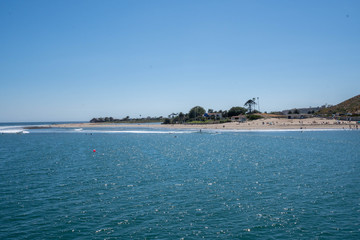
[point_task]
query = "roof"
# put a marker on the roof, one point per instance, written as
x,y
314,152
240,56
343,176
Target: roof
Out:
x,y
214,114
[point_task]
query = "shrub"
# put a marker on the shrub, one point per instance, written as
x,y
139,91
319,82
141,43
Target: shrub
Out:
x,y
167,121
254,117
235,111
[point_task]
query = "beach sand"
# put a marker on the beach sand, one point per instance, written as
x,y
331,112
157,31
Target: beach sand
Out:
x,y
260,124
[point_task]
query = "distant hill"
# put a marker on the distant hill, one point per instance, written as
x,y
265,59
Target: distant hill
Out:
x,y
351,105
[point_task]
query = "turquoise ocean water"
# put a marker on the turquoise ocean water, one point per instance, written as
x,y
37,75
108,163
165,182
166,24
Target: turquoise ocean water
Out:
x,y
166,184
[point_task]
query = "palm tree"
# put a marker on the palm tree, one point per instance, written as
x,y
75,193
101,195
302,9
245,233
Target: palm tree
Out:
x,y
173,115
250,104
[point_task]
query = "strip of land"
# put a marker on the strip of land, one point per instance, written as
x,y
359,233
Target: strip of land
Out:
x,y
260,124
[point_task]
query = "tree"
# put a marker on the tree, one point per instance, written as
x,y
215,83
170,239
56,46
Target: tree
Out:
x,y
225,114
296,111
94,120
250,103
235,111
196,112
181,116
167,121
173,115
210,110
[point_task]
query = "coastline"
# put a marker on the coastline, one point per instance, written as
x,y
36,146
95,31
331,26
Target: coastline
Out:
x,y
260,124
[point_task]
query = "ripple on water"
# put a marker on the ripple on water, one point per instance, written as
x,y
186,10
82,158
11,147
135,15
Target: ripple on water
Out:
x,y
279,185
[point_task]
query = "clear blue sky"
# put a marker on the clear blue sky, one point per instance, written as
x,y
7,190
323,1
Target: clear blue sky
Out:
x,y
74,60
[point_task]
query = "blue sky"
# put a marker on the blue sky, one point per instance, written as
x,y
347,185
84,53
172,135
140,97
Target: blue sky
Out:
x,y
74,60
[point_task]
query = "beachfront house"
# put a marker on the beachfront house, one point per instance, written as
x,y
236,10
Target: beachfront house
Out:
x,y
298,116
215,115
239,118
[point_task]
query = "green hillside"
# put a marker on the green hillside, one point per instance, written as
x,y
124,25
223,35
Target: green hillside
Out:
x,y
351,105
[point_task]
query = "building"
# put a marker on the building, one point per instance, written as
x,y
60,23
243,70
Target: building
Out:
x,y
216,115
309,110
239,118
298,116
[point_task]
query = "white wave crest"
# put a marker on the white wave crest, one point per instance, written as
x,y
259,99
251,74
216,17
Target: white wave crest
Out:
x,y
13,131
137,131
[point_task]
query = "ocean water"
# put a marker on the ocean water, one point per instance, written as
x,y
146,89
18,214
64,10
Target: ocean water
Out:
x,y
162,184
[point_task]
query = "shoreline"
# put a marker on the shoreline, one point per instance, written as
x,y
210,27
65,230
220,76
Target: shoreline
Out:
x,y
260,124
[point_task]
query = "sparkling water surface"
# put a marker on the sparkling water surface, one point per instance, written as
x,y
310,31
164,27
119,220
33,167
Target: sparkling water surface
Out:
x,y
156,184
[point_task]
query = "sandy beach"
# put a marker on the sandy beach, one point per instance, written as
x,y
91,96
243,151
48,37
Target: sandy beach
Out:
x,y
260,124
